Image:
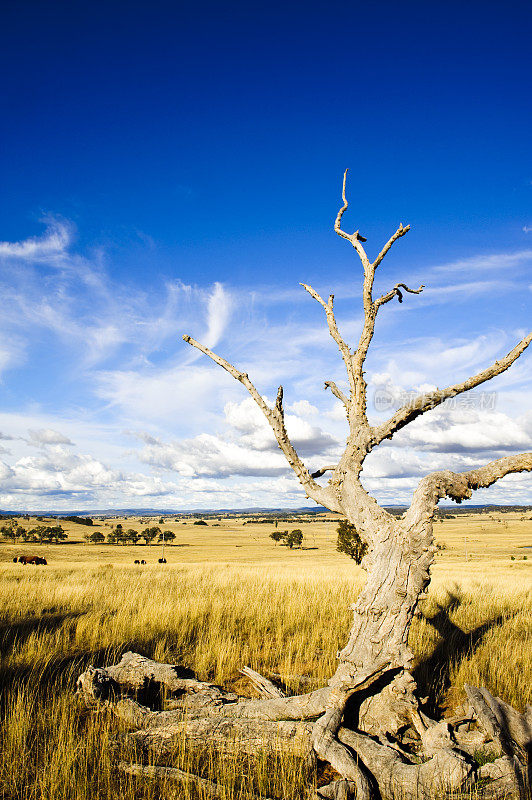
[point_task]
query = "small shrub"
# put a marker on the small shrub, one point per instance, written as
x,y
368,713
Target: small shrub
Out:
x,y
350,542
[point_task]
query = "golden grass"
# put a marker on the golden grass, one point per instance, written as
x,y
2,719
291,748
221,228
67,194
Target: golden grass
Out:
x,y
260,606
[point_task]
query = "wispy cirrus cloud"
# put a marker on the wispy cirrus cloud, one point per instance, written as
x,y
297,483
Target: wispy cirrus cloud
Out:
x,y
55,241
488,261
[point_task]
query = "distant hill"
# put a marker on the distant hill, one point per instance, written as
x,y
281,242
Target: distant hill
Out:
x,y
250,511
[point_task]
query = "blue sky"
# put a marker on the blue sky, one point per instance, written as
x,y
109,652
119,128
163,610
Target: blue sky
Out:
x,y
169,168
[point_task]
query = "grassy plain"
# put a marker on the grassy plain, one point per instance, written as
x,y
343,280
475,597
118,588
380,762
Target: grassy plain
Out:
x,y
230,597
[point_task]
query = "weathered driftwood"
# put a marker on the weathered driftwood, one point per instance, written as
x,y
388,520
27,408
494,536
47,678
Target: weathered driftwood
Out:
x,y
338,790
372,690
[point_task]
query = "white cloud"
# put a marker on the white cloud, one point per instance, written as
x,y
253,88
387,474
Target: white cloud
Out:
x,y
114,349
467,430
55,240
486,261
248,448
45,436
208,455
218,314
303,408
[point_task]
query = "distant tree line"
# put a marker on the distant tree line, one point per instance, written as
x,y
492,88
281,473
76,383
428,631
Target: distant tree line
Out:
x,y
40,533
120,536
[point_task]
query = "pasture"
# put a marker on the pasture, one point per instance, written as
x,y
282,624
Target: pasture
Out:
x,y
230,597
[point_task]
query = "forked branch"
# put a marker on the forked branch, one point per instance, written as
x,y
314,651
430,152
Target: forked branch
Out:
x,y
357,410
396,292
397,235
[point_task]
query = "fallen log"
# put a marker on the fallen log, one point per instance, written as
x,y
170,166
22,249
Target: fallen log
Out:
x,y
137,675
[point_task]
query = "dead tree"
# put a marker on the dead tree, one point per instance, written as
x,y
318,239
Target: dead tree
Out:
x,y
369,703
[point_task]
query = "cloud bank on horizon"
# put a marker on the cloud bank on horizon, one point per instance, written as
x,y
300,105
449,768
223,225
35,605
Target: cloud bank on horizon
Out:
x,y
111,409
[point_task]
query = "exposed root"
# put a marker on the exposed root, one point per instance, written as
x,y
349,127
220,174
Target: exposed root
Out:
x,y
338,790
208,787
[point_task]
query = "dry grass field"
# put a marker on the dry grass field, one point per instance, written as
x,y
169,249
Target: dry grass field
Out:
x,y
230,597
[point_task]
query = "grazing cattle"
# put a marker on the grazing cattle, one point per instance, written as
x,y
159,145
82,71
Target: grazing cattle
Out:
x,y
162,561
137,561
142,562
31,560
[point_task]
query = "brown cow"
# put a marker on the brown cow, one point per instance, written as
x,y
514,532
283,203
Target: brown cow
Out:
x,y
31,560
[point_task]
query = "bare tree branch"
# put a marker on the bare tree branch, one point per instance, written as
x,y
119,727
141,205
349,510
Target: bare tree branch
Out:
x,y
396,292
333,330
397,235
425,402
275,417
322,471
355,238
357,411
337,392
279,403
460,486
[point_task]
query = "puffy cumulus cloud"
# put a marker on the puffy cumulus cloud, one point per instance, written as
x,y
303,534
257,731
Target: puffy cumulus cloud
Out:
x,y
467,430
208,455
60,469
59,472
303,408
256,434
5,471
247,448
45,436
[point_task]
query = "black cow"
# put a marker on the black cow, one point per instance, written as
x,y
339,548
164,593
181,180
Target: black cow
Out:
x,y
142,562
162,561
137,561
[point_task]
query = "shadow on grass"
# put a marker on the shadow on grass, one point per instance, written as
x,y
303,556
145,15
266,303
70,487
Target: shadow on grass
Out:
x,y
432,675
12,633
59,669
